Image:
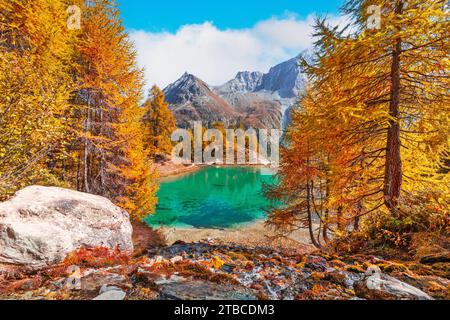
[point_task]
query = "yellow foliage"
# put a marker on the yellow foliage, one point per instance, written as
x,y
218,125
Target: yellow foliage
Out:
x,y
372,130
159,123
70,111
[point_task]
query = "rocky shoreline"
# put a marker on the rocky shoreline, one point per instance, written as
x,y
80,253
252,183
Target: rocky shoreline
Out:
x,y
41,260
250,234
168,169
213,270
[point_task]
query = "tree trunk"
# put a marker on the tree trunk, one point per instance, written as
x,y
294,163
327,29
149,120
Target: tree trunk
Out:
x,y
79,183
326,214
310,222
340,219
359,208
86,147
393,166
63,170
102,160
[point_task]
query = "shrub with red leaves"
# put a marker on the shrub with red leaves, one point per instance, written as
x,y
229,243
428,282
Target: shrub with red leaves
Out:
x,y
97,257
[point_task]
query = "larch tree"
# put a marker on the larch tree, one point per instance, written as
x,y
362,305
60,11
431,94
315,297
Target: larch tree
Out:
x,y
70,111
113,160
374,123
159,123
409,51
35,86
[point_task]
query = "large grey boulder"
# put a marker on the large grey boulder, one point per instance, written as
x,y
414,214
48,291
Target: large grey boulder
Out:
x,y
39,226
379,286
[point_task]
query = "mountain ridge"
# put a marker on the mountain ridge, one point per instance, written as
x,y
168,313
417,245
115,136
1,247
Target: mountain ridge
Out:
x,y
191,99
255,99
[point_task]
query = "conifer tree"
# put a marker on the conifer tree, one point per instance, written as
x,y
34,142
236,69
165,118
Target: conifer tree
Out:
x,y
114,162
70,109
159,123
35,86
410,54
374,124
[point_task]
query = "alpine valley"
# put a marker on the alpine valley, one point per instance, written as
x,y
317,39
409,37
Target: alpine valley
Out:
x,y
251,99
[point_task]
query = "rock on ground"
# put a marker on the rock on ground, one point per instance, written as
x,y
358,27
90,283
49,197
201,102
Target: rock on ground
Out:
x,y
39,226
212,270
113,294
378,286
188,289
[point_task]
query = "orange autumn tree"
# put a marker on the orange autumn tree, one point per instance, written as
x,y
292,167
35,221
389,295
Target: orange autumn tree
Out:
x,y
374,124
323,179
300,174
35,86
70,114
159,123
112,159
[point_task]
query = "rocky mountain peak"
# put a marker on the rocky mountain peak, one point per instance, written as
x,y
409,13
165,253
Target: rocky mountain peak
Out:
x,y
245,81
249,80
185,89
253,98
286,79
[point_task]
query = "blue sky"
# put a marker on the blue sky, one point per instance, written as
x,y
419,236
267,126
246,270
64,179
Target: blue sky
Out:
x,y
216,39
163,15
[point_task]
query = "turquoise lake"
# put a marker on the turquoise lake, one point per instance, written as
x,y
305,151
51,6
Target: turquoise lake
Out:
x,y
213,197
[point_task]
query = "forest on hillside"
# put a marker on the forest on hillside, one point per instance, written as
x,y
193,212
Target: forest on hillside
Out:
x,y
70,108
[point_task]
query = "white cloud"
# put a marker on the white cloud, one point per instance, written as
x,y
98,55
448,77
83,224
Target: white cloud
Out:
x,y
216,55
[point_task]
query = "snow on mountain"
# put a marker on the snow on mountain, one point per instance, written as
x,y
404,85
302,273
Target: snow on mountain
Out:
x,y
256,99
244,81
285,79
